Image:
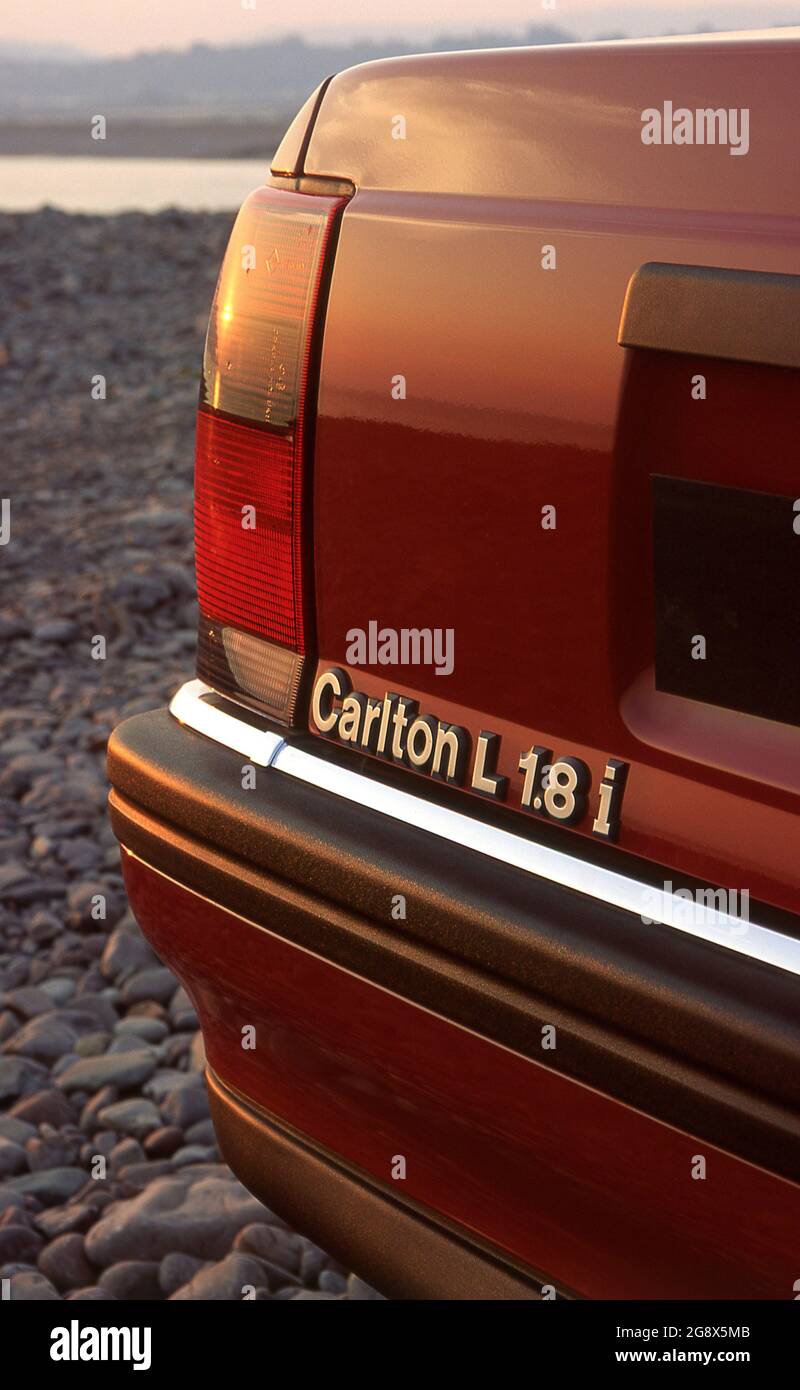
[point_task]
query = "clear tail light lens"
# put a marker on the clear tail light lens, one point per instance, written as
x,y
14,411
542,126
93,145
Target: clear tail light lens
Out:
x,y
251,471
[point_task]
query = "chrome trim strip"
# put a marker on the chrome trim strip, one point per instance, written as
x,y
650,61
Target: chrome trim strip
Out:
x,y
189,707
653,905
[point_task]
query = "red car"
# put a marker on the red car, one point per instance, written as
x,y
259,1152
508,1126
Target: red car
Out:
x,y
474,840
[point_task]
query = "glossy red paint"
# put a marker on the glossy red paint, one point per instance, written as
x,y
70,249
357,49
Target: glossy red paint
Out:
x,y
578,1186
428,509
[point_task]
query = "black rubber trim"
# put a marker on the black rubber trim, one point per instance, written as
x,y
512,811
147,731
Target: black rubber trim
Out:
x,y
710,311
306,141
701,1038
397,1247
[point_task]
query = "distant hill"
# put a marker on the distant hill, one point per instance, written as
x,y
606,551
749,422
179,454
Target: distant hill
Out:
x,y
42,53
275,76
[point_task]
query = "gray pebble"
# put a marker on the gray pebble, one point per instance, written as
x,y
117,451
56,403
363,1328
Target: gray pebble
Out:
x,y
44,1106
19,1076
127,1042
201,1133
156,983
186,1106
92,1044
312,1262
126,1151
103,1141
136,1117
91,1294
99,1008
16,1130
228,1279
30,1287
86,900
59,1221
176,1270
58,630
57,1149
126,952
182,1012
59,989
9,1023
90,1121
330,1281
12,1158
168,1080
273,1244
132,1280
174,1214
63,1064
19,1244
163,1142
312,1296
46,1038
151,1029
27,1001
21,771
125,1069
50,1186
43,926
64,1262
194,1153
134,1177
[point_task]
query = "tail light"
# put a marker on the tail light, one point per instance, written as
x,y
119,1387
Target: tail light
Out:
x,y
251,509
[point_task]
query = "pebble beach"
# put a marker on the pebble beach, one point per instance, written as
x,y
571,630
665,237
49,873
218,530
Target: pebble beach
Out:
x,y
111,1183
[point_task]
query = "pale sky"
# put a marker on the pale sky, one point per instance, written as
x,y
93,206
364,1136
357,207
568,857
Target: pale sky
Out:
x,y
126,26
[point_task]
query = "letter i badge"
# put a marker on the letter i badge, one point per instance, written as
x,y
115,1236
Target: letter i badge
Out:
x,y
609,810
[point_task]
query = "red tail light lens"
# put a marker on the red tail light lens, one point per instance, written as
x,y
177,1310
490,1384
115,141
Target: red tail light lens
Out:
x,y
251,435
246,574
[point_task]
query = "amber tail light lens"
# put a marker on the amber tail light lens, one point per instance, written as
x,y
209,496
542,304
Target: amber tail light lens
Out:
x,y
250,463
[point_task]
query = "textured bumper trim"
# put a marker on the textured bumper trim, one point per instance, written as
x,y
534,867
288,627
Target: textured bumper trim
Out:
x,y
268,749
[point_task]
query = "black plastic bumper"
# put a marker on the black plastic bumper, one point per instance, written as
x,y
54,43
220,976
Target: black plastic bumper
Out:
x,y
694,1035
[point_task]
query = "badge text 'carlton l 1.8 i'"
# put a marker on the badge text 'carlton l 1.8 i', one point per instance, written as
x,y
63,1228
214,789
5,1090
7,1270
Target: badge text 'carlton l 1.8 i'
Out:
x,y
393,728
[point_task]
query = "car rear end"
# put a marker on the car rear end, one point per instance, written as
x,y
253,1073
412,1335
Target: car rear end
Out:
x,y
474,837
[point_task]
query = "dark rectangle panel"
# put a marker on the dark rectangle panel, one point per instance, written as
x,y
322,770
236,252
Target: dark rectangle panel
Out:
x,y
726,567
